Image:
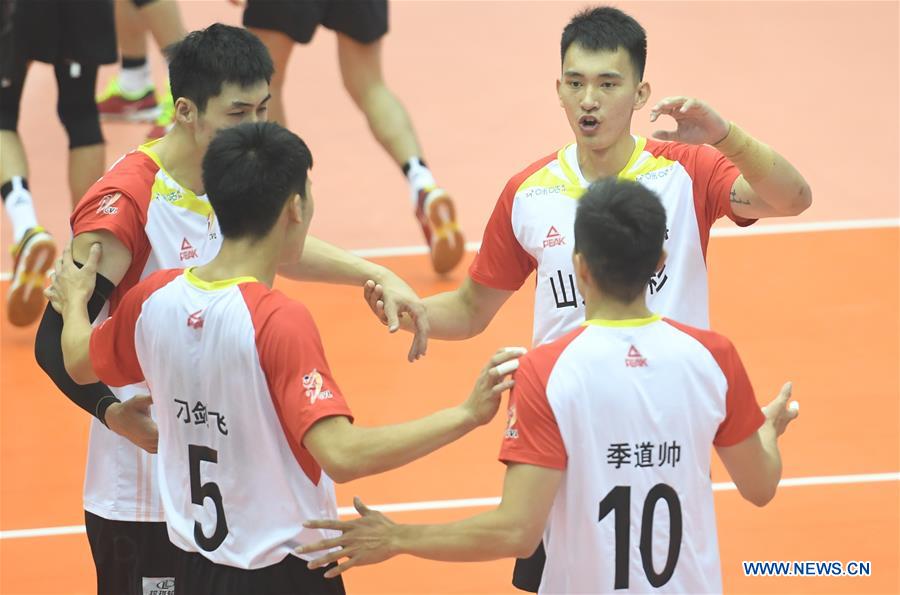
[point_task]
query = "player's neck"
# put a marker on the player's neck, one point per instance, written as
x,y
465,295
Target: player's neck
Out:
x,y
605,163
182,160
243,258
598,307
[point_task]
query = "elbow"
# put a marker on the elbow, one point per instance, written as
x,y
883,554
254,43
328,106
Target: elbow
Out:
x,y
79,374
524,540
802,201
760,495
341,468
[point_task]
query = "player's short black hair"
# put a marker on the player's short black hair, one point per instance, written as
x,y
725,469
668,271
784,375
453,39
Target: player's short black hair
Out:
x,y
607,29
249,172
620,227
206,59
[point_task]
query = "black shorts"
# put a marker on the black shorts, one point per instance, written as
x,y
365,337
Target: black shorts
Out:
x,y
366,21
528,571
57,32
131,558
195,575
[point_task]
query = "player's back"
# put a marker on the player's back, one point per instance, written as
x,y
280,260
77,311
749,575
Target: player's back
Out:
x,y
638,407
235,483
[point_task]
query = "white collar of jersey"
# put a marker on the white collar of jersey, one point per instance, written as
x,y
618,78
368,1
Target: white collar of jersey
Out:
x,y
623,323
568,158
199,283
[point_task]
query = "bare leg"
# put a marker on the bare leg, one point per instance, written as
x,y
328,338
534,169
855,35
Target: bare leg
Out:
x,y
279,46
12,157
86,166
130,30
163,19
388,120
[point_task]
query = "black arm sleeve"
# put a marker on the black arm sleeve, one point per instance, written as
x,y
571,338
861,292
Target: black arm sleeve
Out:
x,y
93,398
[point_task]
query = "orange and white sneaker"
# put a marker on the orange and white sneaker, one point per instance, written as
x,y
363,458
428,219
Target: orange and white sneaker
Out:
x,y
33,256
437,216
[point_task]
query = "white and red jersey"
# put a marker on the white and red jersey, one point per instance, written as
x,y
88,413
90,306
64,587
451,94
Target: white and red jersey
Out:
x,y
163,225
238,375
532,227
630,410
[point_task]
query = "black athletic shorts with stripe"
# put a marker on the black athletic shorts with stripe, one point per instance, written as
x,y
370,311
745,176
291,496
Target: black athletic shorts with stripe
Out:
x,y
365,21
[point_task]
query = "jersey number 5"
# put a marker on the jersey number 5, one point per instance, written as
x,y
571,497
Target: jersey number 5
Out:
x,y
618,500
200,492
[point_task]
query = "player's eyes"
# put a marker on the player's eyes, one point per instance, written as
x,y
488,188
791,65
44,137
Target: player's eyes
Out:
x,y
575,84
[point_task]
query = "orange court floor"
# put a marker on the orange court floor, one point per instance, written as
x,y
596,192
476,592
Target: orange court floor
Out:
x,y
814,299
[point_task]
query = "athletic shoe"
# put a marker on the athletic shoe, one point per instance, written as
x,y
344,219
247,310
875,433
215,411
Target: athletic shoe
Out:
x,y
115,104
437,216
33,256
166,118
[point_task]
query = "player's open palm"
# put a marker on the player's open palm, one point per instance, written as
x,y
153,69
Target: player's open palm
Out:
x,y
696,122
365,540
484,401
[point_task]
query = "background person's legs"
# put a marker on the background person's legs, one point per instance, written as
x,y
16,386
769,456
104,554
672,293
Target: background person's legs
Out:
x,y
77,111
279,45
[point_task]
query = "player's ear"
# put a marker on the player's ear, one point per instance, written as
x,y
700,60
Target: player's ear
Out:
x,y
558,94
185,111
662,260
582,272
294,208
641,94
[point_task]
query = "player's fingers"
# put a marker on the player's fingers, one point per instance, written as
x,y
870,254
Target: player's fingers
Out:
x,y
327,559
668,104
318,546
361,508
784,394
497,372
506,354
688,105
392,314
504,386
93,258
327,524
340,568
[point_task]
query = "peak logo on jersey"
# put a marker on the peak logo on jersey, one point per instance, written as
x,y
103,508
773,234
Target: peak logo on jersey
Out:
x,y
195,321
187,251
313,382
554,238
635,359
105,207
511,433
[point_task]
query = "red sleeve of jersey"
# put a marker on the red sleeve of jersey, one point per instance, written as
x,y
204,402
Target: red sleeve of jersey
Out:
x,y
112,349
713,176
532,435
292,357
743,415
502,262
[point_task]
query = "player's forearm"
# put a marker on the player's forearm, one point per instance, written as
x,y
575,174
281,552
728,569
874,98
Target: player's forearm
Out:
x,y
452,316
772,178
374,450
326,263
771,474
487,536
75,340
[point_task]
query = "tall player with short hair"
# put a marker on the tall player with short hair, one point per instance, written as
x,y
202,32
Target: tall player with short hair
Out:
x,y
149,212
608,438
252,423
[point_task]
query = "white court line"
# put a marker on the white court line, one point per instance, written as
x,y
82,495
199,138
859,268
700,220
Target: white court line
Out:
x,y
484,502
718,232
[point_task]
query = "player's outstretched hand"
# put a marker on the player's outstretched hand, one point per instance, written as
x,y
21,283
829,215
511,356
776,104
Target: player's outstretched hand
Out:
x,y
73,286
390,300
367,540
131,419
780,412
697,123
484,401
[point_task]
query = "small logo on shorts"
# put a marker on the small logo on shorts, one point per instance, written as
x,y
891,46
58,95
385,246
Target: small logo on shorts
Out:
x,y
554,238
157,585
635,359
106,204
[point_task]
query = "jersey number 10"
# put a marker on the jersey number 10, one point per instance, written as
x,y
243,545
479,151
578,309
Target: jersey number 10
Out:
x,y
618,500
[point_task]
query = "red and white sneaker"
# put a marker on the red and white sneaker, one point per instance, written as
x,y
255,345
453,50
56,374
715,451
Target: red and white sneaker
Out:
x,y
437,216
33,256
115,104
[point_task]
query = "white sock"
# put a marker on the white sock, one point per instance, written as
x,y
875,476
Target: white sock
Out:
x,y
135,80
419,177
20,209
